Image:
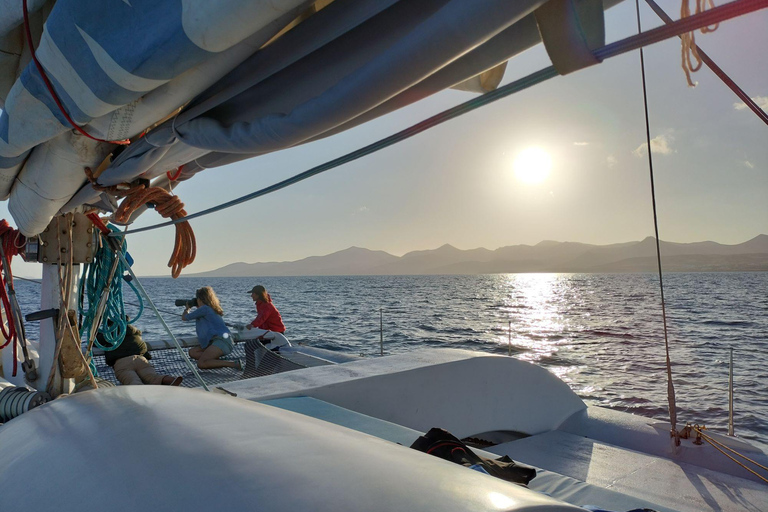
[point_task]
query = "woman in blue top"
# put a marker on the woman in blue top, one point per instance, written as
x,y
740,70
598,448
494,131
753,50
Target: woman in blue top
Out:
x,y
213,335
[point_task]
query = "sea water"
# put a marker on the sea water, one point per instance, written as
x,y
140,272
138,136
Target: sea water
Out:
x,y
603,334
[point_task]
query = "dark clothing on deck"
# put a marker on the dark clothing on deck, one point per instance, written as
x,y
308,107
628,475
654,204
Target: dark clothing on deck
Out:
x,y
132,345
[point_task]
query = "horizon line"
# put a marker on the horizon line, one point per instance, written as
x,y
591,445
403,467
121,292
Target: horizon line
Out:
x,y
472,249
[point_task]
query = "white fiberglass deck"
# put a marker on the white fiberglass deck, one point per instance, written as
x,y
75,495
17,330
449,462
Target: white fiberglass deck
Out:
x,y
175,449
676,485
469,393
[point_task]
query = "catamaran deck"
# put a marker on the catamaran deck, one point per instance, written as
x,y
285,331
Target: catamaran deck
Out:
x,y
600,457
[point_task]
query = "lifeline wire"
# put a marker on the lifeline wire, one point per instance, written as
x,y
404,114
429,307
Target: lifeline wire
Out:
x,y
697,21
670,384
141,303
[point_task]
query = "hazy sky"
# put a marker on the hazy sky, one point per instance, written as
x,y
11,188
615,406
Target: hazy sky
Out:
x,y
455,183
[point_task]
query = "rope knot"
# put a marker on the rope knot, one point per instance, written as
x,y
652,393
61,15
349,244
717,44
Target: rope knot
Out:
x,y
690,54
172,207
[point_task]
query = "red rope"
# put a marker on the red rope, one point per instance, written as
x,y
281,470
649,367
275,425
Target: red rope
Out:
x,y
174,176
49,85
98,223
9,238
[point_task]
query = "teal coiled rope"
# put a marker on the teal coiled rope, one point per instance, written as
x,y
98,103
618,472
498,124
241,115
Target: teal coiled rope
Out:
x,y
113,322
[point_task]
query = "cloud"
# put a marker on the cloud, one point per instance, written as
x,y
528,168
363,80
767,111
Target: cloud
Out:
x,y
581,143
659,145
749,164
762,102
611,161
360,211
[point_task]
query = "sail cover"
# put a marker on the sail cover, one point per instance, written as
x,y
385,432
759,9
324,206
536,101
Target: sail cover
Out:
x,y
210,83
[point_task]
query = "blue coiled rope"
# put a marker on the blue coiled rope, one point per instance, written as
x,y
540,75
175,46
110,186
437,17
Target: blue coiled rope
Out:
x,y
113,322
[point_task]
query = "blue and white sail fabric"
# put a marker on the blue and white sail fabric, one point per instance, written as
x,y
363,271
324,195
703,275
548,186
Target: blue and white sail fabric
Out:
x,y
328,73
101,55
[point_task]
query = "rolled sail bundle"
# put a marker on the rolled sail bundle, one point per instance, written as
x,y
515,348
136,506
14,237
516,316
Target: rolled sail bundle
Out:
x,y
101,57
218,82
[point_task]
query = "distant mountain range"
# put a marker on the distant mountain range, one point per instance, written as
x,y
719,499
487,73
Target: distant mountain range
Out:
x,y
547,256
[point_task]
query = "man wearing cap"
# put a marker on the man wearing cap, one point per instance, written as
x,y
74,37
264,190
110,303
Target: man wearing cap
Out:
x,y
267,315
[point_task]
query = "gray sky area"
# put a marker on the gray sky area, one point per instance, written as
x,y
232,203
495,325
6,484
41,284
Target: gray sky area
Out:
x,y
456,183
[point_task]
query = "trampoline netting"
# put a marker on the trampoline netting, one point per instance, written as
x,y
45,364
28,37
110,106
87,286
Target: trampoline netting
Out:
x,y
258,361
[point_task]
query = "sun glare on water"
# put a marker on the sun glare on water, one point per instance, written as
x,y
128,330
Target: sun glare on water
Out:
x,y
532,165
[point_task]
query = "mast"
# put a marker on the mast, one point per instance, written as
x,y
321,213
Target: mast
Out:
x,y
67,242
51,298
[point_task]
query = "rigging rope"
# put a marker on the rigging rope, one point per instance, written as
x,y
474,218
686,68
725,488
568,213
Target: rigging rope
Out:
x,y
8,239
50,88
64,273
175,176
670,384
168,205
738,91
97,277
717,445
697,21
690,52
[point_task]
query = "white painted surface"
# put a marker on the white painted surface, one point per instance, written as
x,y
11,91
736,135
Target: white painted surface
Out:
x,y
173,449
652,437
462,391
671,484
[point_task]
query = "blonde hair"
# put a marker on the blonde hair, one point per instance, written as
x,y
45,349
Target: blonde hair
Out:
x,y
208,297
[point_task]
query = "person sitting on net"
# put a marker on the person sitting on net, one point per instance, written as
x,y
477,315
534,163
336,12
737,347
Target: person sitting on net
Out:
x,y
212,334
267,315
130,360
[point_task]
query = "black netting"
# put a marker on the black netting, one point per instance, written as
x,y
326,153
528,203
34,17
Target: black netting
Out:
x,y
258,360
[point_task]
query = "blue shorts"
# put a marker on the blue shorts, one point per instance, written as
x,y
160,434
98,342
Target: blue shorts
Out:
x,y
225,344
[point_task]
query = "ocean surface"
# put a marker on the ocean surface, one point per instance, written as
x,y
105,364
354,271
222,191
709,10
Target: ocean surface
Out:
x,y
601,333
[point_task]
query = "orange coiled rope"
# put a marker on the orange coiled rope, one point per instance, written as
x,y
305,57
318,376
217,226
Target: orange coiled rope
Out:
x,y
170,207
136,195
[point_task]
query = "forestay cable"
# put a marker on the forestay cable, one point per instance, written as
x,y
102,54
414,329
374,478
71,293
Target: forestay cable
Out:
x,y
670,384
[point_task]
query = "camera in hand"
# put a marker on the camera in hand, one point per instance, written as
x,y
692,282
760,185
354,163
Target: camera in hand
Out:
x,y
187,303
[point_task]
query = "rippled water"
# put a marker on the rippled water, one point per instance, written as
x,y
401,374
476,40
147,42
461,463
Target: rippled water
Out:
x,y
600,333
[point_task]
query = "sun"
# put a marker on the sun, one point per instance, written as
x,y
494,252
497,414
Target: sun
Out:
x,y
532,165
